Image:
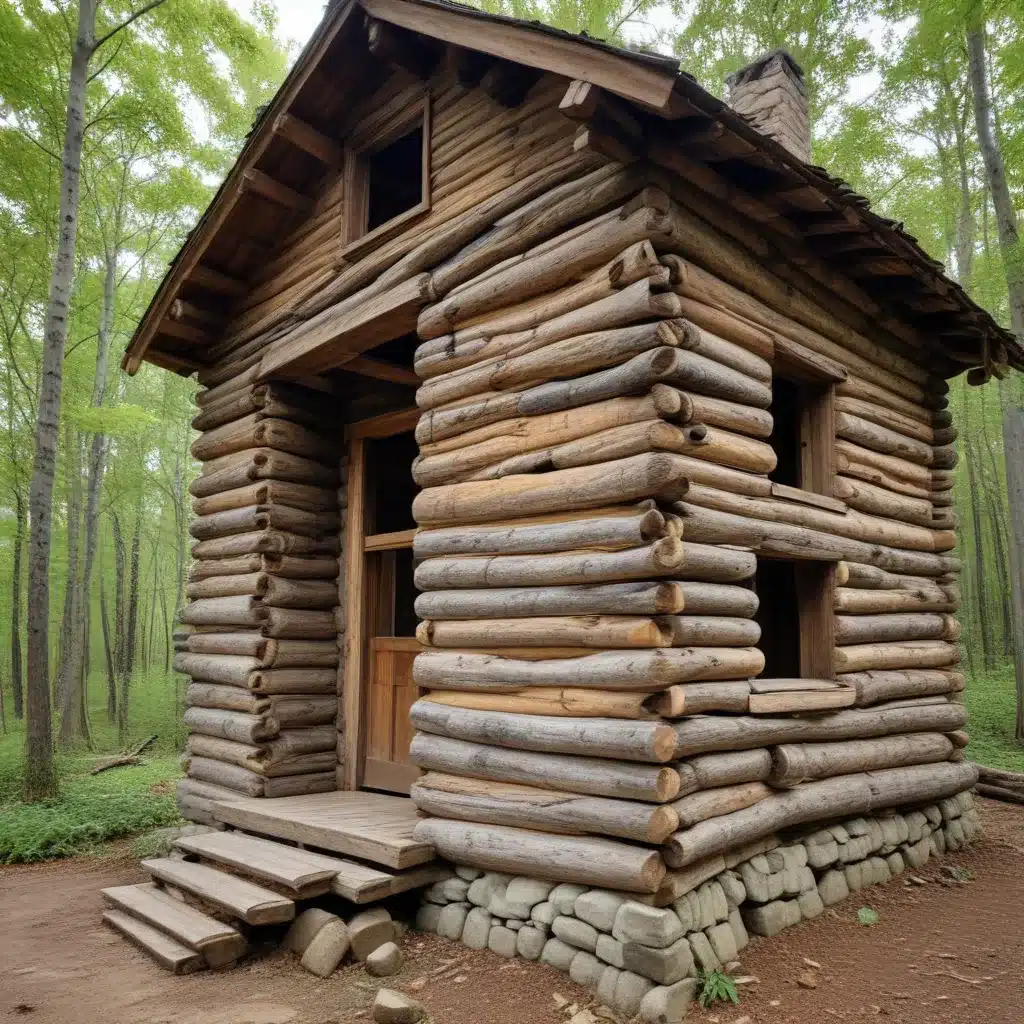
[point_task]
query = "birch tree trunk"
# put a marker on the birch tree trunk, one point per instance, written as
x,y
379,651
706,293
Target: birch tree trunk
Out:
x,y
1013,435
17,683
995,170
131,620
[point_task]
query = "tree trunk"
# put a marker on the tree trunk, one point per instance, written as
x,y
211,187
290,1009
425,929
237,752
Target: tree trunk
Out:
x,y
979,560
131,620
40,774
66,689
1013,434
16,668
109,656
995,171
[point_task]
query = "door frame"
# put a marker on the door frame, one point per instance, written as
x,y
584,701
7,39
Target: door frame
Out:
x,y
353,677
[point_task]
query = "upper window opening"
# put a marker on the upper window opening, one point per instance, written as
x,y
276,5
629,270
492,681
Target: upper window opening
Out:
x,y
786,410
803,433
395,178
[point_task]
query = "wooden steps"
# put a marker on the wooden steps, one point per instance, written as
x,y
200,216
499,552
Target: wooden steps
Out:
x,y
167,952
241,899
219,944
365,825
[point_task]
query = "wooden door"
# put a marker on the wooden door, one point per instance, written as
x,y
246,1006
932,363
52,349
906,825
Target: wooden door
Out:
x,y
380,619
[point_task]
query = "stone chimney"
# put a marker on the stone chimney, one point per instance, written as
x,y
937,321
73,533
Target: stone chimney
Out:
x,y
771,94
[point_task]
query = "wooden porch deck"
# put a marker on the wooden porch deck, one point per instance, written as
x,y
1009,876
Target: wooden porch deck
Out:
x,y
370,826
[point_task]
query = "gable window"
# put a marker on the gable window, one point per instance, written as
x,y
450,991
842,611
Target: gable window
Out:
x,y
387,177
803,434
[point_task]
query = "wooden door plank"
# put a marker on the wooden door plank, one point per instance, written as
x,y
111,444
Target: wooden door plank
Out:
x,y
355,613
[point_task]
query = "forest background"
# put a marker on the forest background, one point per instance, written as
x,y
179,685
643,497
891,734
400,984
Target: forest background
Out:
x,y
917,105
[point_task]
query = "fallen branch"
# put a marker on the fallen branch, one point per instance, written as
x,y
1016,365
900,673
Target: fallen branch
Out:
x,y
132,757
1000,777
1010,796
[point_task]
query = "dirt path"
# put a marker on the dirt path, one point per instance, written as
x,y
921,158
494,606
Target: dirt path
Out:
x,y
941,953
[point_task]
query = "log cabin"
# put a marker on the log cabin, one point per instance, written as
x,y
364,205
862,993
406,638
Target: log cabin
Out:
x,y
576,462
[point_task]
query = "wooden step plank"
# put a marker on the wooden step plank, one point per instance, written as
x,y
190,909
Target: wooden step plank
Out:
x,y
789,685
808,700
365,825
245,900
303,873
219,943
167,952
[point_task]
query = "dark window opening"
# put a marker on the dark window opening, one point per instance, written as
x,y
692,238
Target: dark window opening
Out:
x,y
406,593
787,432
779,618
392,488
395,175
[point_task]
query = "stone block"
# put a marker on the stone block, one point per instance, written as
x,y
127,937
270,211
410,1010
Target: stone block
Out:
x,y
794,856
530,942
586,969
435,894
303,929
760,887
372,928
839,834
723,942
855,875
792,881
477,928
426,917
733,887
327,949
810,904
939,841
514,923
523,894
917,854
775,860
739,929
606,985
558,954
685,914
668,1004
564,896
498,905
760,864
630,990
481,890
544,913
703,952
833,887
857,826
610,950
875,834
665,966
450,924
502,941
772,918
468,873
391,1007
650,926
895,863
707,905
598,908
385,961
821,855
455,890
577,933
933,814
950,808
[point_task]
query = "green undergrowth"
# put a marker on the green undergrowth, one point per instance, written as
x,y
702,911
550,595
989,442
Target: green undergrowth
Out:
x,y
90,809
991,708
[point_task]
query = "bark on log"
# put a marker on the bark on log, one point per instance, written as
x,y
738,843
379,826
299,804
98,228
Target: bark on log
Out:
x,y
601,631
793,763
561,701
643,476
628,741
865,629
906,654
252,584
230,669
230,776
712,631
298,624
729,768
264,542
927,597
824,800
294,680
570,772
224,611
875,686
256,432
705,734
231,725
226,698
712,803
562,813
303,594
264,463
879,501
270,492
699,698
263,517
577,859
648,671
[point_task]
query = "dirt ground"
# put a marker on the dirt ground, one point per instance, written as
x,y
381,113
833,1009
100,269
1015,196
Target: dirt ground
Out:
x,y
944,951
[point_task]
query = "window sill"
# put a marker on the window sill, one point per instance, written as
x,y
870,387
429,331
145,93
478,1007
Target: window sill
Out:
x,y
383,233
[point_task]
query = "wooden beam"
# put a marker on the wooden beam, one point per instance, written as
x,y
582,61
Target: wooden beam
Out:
x,y
262,184
187,333
402,49
389,541
386,425
380,370
215,281
508,83
182,310
349,331
353,689
632,78
309,140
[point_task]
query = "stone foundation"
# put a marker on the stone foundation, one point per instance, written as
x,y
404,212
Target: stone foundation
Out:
x,y
642,959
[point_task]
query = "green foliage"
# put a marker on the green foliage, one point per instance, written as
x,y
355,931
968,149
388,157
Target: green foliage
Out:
x,y
716,987
867,916
90,810
991,709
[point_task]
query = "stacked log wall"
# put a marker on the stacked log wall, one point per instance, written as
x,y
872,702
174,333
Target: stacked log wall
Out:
x,y
595,455
262,650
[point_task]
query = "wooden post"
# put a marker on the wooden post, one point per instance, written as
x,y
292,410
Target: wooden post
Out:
x,y
355,614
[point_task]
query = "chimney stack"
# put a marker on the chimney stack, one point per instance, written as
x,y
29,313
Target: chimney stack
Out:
x,y
770,92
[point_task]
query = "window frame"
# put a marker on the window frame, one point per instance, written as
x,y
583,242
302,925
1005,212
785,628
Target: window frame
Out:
x,y
363,143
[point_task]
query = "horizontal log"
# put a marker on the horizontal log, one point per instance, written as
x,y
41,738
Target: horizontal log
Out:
x,y
793,763
239,470
889,442
601,631
230,776
269,653
561,701
904,654
300,594
666,557
707,734
927,597
301,785
225,698
582,860
275,542
243,584
256,432
874,687
270,492
699,698
712,803
651,670
298,624
628,741
889,417
224,611
230,669
727,768
231,725
816,801
712,631
643,476
570,772
864,629
563,813
263,517
294,680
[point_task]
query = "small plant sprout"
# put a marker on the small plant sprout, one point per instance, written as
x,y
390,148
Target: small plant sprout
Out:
x,y
716,987
867,916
